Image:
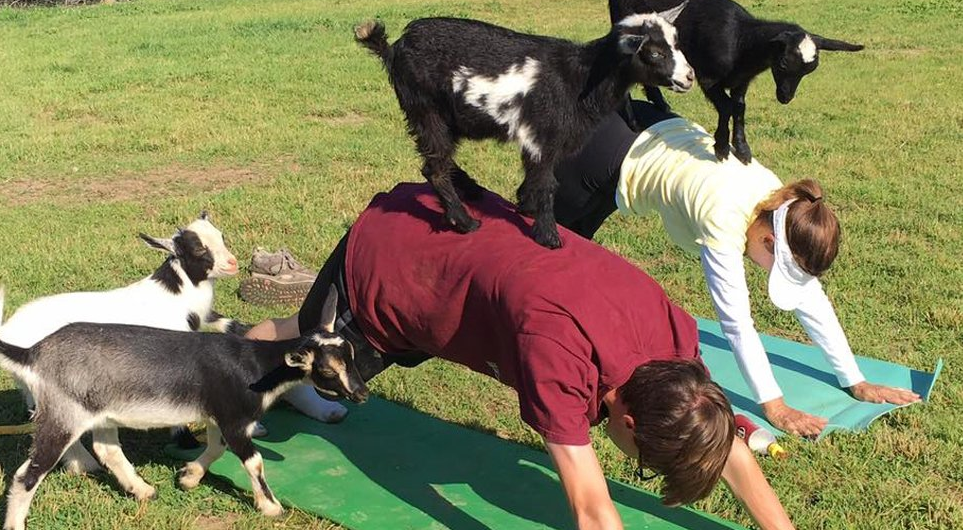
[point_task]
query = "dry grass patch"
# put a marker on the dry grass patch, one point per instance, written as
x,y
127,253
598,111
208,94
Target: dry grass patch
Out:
x,y
157,184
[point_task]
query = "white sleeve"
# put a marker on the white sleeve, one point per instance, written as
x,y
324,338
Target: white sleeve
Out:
x,y
817,316
726,277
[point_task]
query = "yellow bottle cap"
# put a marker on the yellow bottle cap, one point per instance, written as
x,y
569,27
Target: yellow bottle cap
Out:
x,y
776,451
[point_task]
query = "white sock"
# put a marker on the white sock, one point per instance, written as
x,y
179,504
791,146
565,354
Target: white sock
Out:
x,y
309,403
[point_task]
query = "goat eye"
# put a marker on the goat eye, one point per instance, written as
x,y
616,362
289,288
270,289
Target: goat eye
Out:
x,y
327,372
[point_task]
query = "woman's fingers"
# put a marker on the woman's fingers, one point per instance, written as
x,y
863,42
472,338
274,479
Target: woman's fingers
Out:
x,y
900,396
883,394
799,423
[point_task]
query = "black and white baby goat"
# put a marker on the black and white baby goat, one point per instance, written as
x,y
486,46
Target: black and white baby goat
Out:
x,y
179,295
103,376
728,48
458,78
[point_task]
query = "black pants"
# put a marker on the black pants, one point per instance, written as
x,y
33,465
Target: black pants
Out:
x,y
586,181
370,362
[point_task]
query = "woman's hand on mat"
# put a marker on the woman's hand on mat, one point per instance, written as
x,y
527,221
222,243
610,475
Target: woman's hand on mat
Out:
x,y
793,421
866,391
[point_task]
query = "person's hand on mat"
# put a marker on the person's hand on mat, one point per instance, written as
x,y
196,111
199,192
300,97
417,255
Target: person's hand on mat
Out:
x,y
793,421
867,391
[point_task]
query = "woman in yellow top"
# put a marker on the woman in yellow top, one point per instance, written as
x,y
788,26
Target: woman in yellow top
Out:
x,y
721,211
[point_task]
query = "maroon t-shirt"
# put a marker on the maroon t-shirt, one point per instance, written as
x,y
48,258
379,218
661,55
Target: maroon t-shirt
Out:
x,y
562,327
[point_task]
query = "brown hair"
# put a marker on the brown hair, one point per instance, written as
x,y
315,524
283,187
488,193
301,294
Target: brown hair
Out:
x,y
684,427
812,229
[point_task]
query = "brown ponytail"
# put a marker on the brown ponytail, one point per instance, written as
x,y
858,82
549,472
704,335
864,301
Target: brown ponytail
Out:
x,y
811,226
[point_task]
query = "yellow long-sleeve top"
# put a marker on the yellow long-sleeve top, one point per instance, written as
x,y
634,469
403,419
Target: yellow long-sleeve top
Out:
x,y
706,207
672,169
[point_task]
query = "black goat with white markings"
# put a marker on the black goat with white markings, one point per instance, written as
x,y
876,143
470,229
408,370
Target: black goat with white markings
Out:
x,y
458,78
728,48
102,376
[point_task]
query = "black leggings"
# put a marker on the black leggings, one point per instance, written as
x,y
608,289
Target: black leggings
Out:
x,y
369,361
586,182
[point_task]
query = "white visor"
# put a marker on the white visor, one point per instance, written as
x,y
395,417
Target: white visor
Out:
x,y
787,281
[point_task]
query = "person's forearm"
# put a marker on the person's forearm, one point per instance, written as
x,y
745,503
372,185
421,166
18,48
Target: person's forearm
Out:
x,y
585,487
726,281
603,517
818,318
749,485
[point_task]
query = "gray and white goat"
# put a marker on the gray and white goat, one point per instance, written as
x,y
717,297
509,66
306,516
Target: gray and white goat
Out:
x,y
179,295
103,376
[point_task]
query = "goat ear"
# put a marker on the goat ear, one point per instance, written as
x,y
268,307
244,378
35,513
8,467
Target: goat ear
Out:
x,y
299,359
330,310
204,215
833,45
630,44
167,245
671,14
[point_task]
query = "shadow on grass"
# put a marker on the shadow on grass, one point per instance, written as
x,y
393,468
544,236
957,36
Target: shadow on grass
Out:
x,y
387,466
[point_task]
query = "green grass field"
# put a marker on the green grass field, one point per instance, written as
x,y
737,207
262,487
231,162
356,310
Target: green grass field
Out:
x,y
130,117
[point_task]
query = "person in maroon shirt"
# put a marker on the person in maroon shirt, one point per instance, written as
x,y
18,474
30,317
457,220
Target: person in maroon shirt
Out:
x,y
578,332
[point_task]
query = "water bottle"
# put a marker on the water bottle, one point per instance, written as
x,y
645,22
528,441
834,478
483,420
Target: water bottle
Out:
x,y
758,438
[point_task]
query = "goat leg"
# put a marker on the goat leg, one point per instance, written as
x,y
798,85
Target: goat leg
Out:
x,y
739,144
537,195
723,104
469,188
653,94
189,476
78,461
49,443
240,443
107,448
455,214
435,142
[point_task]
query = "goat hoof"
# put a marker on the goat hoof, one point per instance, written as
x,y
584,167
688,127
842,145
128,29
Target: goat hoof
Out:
x,y
722,151
189,476
743,154
271,509
144,493
550,240
467,225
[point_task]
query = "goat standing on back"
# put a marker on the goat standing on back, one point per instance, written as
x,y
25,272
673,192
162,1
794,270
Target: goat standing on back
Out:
x,y
728,48
103,376
458,78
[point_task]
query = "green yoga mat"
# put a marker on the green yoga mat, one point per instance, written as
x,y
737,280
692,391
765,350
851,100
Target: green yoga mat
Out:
x,y
388,467
808,381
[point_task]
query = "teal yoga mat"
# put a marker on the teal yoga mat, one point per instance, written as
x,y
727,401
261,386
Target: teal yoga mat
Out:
x,y
808,381
388,467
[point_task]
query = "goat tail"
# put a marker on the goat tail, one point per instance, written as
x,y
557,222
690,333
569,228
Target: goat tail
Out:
x,y
9,352
372,35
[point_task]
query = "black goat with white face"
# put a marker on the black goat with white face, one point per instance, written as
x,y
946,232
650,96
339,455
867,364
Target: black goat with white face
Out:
x,y
458,78
103,376
728,48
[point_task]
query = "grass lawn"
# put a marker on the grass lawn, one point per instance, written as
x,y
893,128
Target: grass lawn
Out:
x,y
132,117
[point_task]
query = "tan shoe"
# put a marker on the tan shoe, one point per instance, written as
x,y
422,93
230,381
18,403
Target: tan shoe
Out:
x,y
276,279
